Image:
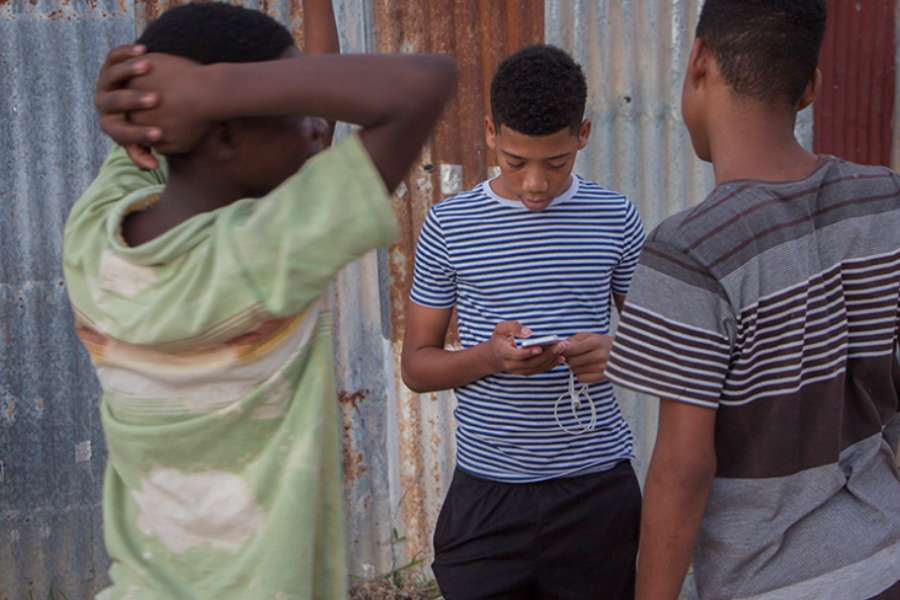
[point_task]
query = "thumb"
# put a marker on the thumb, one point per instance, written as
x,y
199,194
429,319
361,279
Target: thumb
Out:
x,y
512,329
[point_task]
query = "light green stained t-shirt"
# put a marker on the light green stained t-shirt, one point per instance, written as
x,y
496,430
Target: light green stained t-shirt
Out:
x,y
212,344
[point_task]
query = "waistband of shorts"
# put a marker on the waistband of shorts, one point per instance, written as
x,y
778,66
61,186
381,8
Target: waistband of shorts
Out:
x,y
460,474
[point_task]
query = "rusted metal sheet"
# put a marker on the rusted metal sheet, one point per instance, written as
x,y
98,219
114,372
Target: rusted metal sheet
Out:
x,y
855,107
478,34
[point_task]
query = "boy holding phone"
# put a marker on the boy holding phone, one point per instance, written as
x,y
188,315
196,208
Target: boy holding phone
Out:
x,y
544,501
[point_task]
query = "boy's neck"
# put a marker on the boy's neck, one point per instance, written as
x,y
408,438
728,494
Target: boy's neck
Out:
x,y
753,142
187,194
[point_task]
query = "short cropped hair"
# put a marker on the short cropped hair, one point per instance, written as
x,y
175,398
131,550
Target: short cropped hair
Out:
x,y
766,50
539,90
213,32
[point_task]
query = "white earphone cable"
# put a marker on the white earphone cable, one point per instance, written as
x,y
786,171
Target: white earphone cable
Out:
x,y
575,403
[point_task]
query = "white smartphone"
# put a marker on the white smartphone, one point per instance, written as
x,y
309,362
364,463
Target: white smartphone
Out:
x,y
543,340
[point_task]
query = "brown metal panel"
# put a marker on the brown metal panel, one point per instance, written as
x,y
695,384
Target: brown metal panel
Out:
x,y
855,107
478,34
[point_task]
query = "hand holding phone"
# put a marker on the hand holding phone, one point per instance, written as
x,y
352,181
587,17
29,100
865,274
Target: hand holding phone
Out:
x,y
543,341
536,355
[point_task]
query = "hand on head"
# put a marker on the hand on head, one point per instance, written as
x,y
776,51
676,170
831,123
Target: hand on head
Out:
x,y
148,100
115,101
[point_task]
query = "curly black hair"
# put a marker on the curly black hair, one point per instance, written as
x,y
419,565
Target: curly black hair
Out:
x,y
539,90
213,32
766,50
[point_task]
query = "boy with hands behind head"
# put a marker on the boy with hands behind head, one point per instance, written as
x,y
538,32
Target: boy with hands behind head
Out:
x,y
200,287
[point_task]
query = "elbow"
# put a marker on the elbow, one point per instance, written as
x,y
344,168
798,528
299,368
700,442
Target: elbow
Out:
x,y
435,81
410,377
410,381
691,471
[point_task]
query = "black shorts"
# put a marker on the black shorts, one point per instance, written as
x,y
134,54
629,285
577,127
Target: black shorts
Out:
x,y
574,537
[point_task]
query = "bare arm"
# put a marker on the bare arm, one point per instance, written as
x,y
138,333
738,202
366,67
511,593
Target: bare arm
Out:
x,y
395,98
320,36
619,300
427,367
678,482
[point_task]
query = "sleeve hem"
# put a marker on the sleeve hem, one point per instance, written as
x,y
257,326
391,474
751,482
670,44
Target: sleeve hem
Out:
x,y
658,392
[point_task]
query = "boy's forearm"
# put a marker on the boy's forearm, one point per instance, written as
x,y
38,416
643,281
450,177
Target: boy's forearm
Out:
x,y
670,522
435,369
365,90
396,98
678,483
320,34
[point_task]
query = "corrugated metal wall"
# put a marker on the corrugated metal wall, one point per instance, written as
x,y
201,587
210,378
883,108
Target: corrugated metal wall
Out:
x,y
51,447
855,107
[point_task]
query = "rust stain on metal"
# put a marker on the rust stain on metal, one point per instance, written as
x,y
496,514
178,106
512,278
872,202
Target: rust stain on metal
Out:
x,y
352,460
352,399
295,14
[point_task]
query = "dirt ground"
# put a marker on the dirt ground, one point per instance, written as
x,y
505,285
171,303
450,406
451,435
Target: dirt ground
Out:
x,y
389,589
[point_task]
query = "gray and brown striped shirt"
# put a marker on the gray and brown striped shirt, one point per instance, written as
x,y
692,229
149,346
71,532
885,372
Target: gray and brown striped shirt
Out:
x,y
777,305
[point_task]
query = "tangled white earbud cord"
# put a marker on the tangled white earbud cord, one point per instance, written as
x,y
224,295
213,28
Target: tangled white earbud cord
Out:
x,y
575,403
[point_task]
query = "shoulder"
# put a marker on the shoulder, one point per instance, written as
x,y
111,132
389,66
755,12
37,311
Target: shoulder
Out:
x,y
468,210
603,202
848,175
593,193
463,204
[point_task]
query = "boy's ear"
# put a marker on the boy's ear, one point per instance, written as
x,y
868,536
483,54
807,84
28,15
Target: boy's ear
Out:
x,y
490,133
698,63
223,139
584,134
812,90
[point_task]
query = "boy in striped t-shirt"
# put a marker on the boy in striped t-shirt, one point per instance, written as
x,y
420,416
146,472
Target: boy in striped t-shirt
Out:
x,y
766,318
544,502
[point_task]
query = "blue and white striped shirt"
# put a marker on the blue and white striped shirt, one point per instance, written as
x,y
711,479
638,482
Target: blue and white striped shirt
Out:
x,y
554,272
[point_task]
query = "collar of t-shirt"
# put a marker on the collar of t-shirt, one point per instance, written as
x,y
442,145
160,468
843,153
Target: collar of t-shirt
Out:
x,y
564,197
